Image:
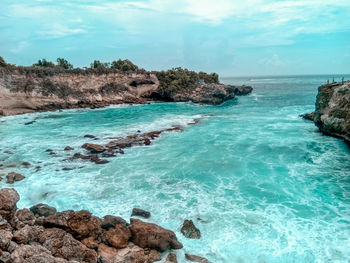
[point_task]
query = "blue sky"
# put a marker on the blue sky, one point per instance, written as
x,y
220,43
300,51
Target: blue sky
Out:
x,y
231,37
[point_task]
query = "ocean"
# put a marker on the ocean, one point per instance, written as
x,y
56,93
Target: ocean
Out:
x,y
261,183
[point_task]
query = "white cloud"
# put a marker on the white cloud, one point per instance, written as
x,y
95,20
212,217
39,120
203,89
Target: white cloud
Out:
x,y
58,30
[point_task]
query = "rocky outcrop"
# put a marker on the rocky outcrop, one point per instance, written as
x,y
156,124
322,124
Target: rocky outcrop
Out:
x,y
76,236
332,110
30,91
24,90
213,93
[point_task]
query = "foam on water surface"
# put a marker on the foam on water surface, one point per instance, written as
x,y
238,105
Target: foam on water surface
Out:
x,y
260,183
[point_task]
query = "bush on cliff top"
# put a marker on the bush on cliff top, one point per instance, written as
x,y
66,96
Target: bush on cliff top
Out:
x,y
177,79
2,62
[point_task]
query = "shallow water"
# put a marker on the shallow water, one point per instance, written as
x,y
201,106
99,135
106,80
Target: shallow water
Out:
x,y
262,184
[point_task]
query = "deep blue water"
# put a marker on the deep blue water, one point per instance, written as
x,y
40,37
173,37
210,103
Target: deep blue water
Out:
x,y
267,186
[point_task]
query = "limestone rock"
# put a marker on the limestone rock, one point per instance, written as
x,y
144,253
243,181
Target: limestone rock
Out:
x,y
28,234
135,254
171,258
94,148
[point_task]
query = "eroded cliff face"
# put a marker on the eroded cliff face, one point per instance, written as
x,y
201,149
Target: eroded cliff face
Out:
x,y
25,91
332,110
29,92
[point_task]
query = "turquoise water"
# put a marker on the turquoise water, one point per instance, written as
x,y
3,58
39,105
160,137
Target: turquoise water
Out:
x,y
267,186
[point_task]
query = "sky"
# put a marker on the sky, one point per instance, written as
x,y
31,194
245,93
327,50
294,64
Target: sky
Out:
x,y
230,37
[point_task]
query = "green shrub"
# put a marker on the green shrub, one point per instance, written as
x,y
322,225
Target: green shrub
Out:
x,y
61,62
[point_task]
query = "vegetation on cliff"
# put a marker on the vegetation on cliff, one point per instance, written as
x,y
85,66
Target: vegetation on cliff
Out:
x,y
180,80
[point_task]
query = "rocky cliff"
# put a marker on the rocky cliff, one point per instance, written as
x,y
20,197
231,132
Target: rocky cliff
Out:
x,y
22,92
31,89
332,110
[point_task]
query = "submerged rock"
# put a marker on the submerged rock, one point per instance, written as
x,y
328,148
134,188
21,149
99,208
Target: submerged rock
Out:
x,y
140,212
14,177
189,230
195,258
171,258
68,148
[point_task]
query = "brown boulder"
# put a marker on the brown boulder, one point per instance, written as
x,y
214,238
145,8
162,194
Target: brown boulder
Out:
x,y
195,258
135,254
24,217
62,244
8,200
171,258
27,234
106,254
140,212
43,210
14,177
81,224
34,254
147,235
90,242
94,148
109,221
189,230
5,239
118,237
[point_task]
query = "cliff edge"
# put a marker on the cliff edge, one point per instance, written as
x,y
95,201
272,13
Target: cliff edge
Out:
x,y
332,110
36,88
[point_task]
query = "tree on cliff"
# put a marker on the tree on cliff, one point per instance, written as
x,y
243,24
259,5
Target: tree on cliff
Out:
x,y
124,65
61,62
2,62
99,65
44,63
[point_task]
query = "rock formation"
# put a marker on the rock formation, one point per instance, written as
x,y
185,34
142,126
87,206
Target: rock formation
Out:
x,y
332,110
30,89
76,236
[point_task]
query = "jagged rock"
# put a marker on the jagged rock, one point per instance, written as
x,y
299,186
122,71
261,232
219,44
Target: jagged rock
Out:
x,y
27,234
109,221
106,254
90,242
68,148
140,212
5,257
62,244
135,254
14,177
4,225
34,254
8,200
43,210
5,239
195,258
189,230
171,258
308,116
147,235
242,90
332,110
24,217
118,236
94,148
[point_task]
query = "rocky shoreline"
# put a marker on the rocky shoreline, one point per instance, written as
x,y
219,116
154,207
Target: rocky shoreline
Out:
x,y
41,234
332,110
